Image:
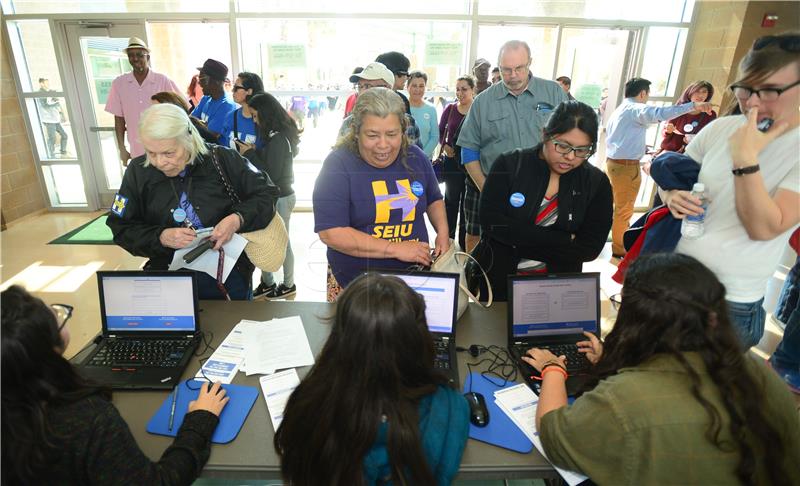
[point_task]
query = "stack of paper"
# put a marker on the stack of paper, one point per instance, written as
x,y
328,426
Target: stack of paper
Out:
x,y
277,388
275,345
227,359
519,403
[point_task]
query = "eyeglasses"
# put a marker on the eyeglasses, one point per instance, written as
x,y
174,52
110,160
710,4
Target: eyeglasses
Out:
x,y
237,87
517,70
789,43
565,148
764,94
63,312
616,301
401,73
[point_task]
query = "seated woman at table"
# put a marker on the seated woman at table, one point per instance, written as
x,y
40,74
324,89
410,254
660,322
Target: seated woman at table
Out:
x,y
677,401
175,189
544,209
373,409
372,192
59,429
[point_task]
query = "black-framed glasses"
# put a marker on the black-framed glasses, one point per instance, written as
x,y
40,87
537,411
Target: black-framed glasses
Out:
x,y
616,301
564,149
790,43
63,312
764,94
237,87
520,70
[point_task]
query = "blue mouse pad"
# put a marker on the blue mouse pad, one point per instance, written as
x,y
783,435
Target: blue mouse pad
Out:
x,y
231,419
501,430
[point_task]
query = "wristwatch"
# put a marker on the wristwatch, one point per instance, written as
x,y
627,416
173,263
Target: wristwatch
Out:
x,y
752,169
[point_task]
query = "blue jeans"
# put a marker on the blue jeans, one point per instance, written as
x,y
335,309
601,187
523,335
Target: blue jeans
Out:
x,y
284,206
238,287
748,321
788,311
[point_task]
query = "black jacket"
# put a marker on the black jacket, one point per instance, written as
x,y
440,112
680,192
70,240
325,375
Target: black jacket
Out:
x,y
276,160
149,198
585,209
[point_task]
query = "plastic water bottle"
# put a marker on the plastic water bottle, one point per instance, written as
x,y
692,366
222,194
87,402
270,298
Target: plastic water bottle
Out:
x,y
693,227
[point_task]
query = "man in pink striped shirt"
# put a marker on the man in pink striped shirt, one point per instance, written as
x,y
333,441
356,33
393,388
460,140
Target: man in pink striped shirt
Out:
x,y
130,96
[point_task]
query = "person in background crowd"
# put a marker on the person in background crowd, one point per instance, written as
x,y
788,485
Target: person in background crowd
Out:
x,y
679,131
130,95
545,209
496,78
194,92
510,115
409,428
625,145
786,358
240,125
372,192
423,112
298,110
480,69
179,101
214,108
351,100
175,189
281,138
51,114
566,84
675,399
65,430
752,179
398,64
453,173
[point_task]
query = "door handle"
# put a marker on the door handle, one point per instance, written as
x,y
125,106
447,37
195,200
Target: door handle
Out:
x,y
101,129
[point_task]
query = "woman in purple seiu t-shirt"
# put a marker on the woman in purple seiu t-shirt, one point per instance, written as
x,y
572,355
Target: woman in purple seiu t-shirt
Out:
x,y
372,192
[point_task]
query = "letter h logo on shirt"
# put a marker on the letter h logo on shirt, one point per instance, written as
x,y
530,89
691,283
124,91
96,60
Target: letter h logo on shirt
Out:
x,y
384,202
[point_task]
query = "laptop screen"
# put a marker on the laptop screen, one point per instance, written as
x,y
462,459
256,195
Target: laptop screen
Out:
x,y
145,302
554,305
440,292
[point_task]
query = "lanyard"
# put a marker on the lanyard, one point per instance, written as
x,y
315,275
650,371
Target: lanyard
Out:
x,y
186,222
220,267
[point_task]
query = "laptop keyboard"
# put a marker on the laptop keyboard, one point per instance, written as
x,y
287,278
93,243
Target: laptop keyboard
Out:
x,y
442,354
161,353
575,361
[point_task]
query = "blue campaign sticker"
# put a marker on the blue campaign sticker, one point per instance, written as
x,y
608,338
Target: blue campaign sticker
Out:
x,y
517,199
118,207
417,189
179,215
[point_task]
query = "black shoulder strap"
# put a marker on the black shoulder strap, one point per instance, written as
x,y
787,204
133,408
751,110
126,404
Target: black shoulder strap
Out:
x,y
235,124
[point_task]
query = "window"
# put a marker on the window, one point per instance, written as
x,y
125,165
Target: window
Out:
x,y
112,6
542,41
34,54
663,54
642,10
357,6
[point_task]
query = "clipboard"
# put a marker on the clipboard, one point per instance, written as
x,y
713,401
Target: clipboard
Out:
x,y
501,430
231,419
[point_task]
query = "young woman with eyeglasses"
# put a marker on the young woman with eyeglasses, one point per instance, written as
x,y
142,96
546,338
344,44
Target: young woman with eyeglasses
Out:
x,y
752,179
545,209
59,429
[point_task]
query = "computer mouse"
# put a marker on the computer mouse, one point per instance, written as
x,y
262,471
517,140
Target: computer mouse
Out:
x,y
478,413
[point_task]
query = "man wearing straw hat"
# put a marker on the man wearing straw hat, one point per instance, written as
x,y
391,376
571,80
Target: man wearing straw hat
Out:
x,y
130,96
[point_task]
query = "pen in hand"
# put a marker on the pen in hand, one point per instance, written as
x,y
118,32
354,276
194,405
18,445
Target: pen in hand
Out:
x,y
172,411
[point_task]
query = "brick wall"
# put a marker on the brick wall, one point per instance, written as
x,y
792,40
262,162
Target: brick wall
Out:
x,y
21,191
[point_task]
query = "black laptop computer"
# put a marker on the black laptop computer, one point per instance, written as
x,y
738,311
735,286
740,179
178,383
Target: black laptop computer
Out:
x,y
150,329
440,291
551,312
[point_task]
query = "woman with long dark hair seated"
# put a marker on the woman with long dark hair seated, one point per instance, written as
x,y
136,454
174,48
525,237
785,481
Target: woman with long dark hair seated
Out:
x,y
545,209
58,429
373,409
676,399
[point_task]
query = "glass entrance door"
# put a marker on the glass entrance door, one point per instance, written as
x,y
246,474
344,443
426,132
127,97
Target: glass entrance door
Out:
x,y
97,57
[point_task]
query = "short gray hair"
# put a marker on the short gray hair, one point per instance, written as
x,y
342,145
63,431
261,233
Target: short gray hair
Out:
x,y
166,121
512,45
380,102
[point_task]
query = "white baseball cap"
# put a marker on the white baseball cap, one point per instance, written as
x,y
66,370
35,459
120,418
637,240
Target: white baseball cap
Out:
x,y
374,70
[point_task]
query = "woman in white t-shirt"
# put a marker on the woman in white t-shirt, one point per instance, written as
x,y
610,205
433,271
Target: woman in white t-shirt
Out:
x,y
752,179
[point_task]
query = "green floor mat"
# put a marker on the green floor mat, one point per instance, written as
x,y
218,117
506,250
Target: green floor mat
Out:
x,y
95,232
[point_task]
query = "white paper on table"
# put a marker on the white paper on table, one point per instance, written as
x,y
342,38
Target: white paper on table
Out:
x,y
275,345
227,359
208,261
277,389
520,403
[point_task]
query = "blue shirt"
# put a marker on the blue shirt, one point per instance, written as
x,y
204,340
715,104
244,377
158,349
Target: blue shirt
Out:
x,y
425,116
214,112
246,131
626,132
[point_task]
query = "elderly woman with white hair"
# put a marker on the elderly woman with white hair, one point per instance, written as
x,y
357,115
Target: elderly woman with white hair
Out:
x,y
175,189
372,192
